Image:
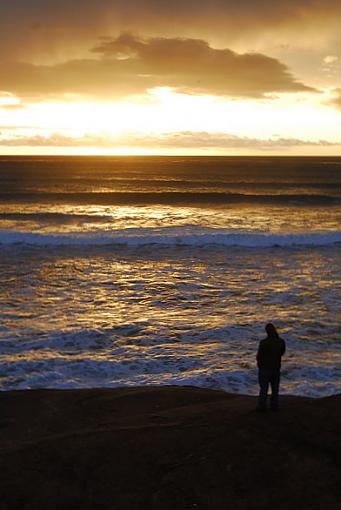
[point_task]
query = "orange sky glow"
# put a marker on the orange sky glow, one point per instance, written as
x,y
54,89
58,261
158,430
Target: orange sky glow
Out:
x,y
170,77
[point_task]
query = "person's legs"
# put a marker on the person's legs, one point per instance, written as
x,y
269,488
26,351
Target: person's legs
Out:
x,y
274,381
263,380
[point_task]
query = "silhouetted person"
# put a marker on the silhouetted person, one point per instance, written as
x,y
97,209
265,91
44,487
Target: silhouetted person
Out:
x,y
270,352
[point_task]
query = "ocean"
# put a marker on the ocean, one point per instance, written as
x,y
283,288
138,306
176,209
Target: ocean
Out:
x,y
121,271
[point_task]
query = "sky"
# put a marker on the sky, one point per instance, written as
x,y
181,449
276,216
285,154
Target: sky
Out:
x,y
170,77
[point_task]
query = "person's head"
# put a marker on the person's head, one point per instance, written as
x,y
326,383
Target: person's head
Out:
x,y
271,330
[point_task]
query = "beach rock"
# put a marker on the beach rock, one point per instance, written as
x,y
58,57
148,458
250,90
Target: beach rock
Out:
x,y
166,448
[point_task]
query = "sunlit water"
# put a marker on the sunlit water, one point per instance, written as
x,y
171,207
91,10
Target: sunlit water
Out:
x,y
111,290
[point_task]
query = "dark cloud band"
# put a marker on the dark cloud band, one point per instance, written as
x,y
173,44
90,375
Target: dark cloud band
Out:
x,y
175,140
130,65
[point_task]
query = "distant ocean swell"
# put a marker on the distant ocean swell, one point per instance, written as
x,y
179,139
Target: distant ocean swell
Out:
x,y
172,236
170,197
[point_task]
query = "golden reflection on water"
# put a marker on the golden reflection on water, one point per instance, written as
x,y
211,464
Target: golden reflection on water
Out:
x,y
73,218
150,314
109,288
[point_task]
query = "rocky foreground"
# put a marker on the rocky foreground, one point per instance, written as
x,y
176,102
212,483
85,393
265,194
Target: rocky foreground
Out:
x,y
167,448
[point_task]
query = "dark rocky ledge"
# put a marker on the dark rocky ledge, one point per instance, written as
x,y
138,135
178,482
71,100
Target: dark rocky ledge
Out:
x,y
169,448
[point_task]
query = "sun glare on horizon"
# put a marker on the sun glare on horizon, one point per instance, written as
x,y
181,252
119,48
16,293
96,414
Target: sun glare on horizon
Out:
x,y
165,121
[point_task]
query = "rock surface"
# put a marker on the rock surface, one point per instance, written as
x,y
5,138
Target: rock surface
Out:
x,y
169,448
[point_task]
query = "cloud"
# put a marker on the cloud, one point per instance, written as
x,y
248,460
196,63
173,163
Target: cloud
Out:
x,y
330,59
54,140
40,29
14,106
336,99
175,140
43,33
131,65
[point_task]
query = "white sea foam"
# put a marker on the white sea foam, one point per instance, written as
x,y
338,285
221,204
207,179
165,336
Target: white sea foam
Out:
x,y
217,358
169,236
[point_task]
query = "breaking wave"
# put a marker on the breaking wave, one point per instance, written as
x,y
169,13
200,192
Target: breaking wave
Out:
x,y
171,236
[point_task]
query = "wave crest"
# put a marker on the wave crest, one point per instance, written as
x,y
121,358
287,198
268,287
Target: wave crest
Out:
x,y
171,236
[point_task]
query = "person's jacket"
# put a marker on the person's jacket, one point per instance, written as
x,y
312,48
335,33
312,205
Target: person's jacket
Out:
x,y
270,352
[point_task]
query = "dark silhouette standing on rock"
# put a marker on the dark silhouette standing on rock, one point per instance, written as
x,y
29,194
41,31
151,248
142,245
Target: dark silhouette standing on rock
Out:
x,y
269,355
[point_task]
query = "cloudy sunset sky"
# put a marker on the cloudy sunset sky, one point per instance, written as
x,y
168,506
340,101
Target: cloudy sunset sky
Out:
x,y
170,77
